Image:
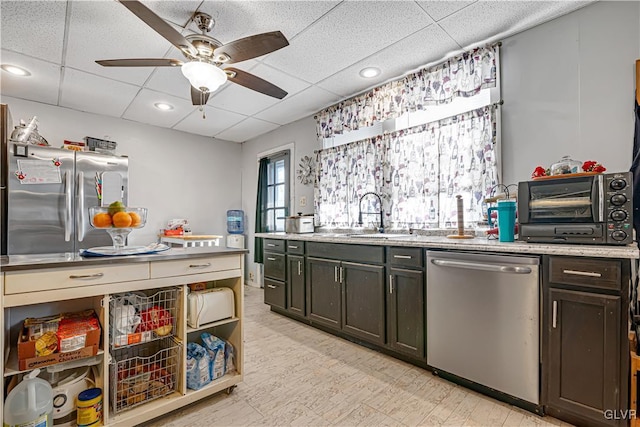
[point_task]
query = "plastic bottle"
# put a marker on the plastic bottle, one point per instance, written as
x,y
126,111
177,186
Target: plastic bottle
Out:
x,y
30,403
235,222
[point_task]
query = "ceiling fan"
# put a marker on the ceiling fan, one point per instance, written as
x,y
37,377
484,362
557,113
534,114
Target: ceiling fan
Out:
x,y
205,55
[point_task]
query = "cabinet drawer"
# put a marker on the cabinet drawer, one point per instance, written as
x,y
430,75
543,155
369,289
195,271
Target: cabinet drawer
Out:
x,y
405,257
295,247
274,245
274,293
274,266
194,266
18,282
589,272
346,252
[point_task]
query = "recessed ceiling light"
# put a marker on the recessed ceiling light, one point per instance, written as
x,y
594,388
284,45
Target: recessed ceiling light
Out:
x,y
369,72
16,71
163,106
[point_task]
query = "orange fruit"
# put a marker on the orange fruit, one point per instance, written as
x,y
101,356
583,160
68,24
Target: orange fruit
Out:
x,y
121,220
102,220
135,219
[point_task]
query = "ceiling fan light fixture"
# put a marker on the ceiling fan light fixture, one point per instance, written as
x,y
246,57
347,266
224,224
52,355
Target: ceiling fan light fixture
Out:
x,y
163,106
370,72
204,76
15,70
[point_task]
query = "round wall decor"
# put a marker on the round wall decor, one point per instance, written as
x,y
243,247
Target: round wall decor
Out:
x,y
305,171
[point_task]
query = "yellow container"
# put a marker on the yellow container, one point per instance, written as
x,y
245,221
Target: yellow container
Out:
x,y
89,404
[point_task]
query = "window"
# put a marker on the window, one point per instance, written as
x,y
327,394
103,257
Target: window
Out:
x,y
277,203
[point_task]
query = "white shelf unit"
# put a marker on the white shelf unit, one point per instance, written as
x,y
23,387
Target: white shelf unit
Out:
x,y
56,295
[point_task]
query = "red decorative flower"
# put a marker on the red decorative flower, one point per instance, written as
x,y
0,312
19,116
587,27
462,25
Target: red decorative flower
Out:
x,y
538,172
591,166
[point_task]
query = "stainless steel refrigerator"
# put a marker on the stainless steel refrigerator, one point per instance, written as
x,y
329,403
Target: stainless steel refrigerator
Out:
x,y
50,191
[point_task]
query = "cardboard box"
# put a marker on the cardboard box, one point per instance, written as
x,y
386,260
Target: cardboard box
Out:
x,y
27,358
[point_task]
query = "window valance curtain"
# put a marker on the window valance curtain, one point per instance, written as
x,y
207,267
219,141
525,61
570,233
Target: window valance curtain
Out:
x,y
417,172
461,76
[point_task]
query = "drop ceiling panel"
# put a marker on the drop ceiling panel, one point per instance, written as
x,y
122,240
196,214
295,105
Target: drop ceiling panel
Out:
x,y
247,129
35,28
350,32
215,121
41,86
303,104
485,19
414,52
108,30
87,92
142,109
246,101
441,9
239,19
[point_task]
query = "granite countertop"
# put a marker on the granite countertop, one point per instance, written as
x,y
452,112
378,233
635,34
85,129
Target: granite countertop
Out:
x,y
475,244
38,261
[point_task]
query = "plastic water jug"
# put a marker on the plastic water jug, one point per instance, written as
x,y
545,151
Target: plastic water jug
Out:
x,y
30,403
235,222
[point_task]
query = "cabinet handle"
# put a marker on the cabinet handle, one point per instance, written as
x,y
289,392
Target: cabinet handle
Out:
x,y
293,247
391,283
86,276
341,272
582,273
271,245
403,256
200,265
554,315
271,286
335,273
270,259
299,269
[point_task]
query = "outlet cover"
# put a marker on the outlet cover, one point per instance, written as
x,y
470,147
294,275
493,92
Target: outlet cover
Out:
x,y
303,201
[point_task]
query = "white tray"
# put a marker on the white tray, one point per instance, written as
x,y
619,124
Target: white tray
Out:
x,y
127,250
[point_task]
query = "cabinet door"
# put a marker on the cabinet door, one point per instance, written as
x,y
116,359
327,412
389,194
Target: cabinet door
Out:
x,y
274,266
324,292
363,301
582,363
405,311
296,285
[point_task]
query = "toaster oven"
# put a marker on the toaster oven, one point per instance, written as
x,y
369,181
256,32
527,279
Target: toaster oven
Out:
x,y
209,306
592,209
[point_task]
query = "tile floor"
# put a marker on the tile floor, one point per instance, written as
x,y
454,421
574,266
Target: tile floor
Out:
x,y
297,375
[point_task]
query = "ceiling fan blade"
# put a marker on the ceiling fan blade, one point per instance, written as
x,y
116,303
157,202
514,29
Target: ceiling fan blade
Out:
x,y
252,46
159,25
198,97
140,62
250,81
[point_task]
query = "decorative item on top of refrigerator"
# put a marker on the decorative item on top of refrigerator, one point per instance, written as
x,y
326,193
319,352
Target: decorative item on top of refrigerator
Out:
x,y
50,191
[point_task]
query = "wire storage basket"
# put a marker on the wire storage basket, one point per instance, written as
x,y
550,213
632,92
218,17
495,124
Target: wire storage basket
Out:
x,y
143,373
139,317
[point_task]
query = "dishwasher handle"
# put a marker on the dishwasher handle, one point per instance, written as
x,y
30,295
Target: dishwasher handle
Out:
x,y
496,268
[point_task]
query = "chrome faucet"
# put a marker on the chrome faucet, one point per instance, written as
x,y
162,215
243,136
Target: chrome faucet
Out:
x,y
381,228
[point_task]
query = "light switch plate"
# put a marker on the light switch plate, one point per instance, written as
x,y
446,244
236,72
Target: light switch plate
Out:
x,y
303,201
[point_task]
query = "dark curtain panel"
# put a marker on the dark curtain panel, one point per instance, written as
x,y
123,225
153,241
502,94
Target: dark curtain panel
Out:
x,y
635,169
261,201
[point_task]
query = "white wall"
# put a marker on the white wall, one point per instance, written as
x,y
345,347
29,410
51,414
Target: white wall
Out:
x,y
568,89
173,174
303,135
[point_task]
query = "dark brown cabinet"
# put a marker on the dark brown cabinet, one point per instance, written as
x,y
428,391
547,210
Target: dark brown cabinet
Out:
x,y
405,312
275,273
296,285
585,362
363,301
274,293
324,292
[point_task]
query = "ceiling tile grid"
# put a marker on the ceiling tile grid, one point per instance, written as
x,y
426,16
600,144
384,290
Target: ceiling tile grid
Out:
x,y
329,43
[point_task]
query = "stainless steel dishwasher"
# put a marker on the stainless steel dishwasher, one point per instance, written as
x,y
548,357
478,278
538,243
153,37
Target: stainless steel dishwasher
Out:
x,y
483,316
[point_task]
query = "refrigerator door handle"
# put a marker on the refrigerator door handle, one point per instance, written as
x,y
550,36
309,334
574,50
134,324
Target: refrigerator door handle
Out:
x,y
80,207
68,219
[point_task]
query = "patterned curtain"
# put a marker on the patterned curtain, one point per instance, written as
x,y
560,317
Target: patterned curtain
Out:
x,y
461,76
417,172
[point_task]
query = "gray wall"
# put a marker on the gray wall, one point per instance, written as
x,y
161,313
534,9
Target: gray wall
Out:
x,y
173,174
568,89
